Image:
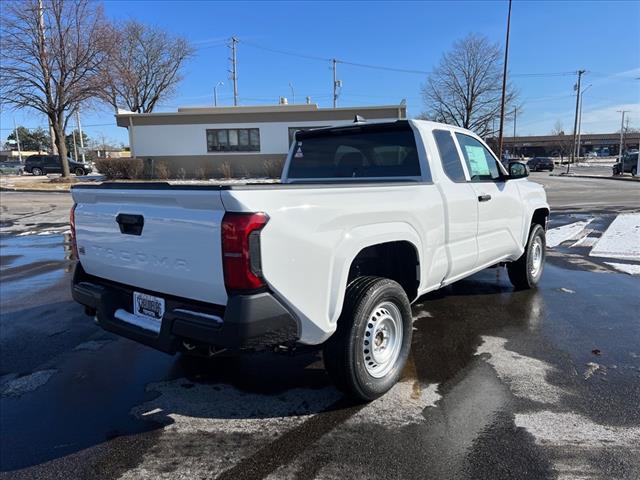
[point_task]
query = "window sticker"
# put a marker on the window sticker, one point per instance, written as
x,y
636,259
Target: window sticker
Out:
x,y
477,160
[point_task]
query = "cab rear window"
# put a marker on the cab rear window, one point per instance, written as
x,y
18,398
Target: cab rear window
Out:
x,y
368,151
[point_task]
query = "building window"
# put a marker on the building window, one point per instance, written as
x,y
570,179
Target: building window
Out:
x,y
233,140
293,130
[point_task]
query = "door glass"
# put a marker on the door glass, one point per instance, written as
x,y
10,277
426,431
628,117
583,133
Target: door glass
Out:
x,y
481,164
449,155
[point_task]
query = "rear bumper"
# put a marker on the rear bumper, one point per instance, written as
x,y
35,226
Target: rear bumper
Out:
x,y
252,321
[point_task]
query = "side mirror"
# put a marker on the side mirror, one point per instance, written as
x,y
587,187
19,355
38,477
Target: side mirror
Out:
x,y
518,170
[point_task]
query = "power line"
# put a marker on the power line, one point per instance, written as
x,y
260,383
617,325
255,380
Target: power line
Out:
x,y
285,52
543,74
383,67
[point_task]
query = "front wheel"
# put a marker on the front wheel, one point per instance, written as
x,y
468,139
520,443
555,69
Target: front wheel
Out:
x,y
634,171
79,172
526,272
366,354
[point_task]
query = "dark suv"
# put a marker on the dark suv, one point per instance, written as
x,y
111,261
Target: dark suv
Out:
x,y
43,164
538,164
630,162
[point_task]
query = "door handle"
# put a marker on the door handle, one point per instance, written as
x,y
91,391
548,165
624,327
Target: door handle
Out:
x,y
130,224
484,198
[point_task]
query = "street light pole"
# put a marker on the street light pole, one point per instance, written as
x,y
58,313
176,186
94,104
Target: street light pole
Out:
x,y
580,117
621,138
515,122
293,93
79,125
15,129
215,93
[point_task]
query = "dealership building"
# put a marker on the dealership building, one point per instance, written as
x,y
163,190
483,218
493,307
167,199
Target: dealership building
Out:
x,y
248,140
605,144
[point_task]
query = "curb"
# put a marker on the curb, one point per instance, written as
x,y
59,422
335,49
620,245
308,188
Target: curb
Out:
x,y
620,179
31,190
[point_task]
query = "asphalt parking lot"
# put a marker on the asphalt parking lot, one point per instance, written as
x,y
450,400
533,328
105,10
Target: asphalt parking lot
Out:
x,y
500,384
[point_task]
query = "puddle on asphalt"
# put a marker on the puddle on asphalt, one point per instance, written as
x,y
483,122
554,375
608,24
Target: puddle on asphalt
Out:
x,y
32,262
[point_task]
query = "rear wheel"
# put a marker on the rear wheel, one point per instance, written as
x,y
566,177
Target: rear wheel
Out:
x,y
36,171
526,272
367,353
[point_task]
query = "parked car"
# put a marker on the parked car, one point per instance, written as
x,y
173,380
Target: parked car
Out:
x,y
629,164
368,218
43,164
537,164
11,168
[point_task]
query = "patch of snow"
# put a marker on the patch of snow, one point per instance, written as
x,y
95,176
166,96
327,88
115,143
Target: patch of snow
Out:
x,y
631,269
92,345
510,366
27,383
400,406
556,236
621,239
564,429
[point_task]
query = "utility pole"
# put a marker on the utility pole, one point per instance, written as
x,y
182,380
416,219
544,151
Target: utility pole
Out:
x,y
575,121
622,137
504,83
234,70
336,83
15,129
79,126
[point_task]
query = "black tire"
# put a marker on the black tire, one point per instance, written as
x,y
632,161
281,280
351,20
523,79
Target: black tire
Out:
x,y
634,171
79,172
521,272
345,353
36,171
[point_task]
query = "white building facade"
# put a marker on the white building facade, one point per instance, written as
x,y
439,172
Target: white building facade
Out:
x,y
248,140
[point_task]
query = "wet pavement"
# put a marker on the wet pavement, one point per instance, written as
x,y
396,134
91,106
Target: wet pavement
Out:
x,y
500,384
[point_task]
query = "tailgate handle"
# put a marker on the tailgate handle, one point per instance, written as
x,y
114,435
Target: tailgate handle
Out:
x,y
130,224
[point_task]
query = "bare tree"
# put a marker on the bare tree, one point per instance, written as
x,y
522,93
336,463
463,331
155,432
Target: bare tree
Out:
x,y
465,88
51,52
144,68
564,142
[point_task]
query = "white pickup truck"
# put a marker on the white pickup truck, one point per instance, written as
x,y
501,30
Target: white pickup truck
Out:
x,y
367,218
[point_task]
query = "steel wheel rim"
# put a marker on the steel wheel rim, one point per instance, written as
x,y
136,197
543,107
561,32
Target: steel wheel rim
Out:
x,y
382,339
536,256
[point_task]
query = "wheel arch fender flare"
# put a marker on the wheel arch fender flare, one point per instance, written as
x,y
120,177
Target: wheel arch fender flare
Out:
x,y
356,240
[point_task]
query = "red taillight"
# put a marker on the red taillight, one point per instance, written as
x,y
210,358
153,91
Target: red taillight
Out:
x,y
72,223
241,250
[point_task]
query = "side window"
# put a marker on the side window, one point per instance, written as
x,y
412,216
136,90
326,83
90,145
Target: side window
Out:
x,y
449,155
481,164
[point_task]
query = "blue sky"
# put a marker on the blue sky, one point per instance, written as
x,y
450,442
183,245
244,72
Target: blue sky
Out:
x,y
546,37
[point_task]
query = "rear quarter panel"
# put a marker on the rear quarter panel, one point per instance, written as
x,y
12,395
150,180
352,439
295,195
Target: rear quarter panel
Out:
x,y
314,233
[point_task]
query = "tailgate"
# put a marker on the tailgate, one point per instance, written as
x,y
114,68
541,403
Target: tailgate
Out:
x,y
166,241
